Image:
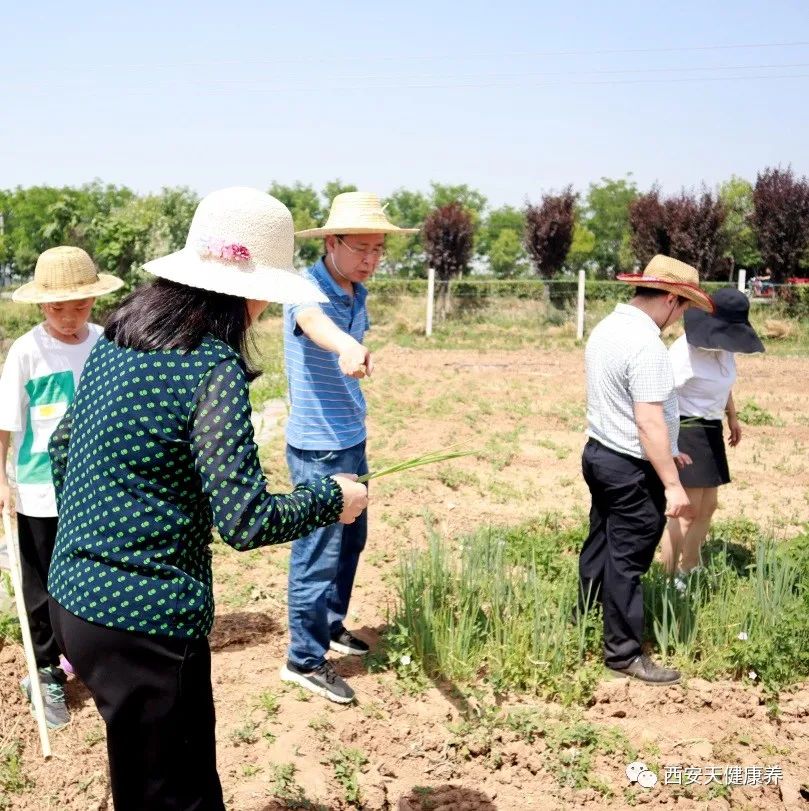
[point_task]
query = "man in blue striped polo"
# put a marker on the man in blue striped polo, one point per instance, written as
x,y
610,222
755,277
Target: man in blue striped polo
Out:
x,y
325,360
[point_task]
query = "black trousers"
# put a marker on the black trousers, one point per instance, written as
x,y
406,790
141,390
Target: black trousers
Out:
x,y
627,517
155,696
37,538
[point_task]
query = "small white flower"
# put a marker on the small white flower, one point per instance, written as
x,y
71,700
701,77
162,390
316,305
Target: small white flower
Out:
x,y
743,636
752,675
405,659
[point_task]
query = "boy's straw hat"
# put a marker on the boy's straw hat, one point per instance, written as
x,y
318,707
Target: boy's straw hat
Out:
x,y
65,274
240,243
356,212
673,276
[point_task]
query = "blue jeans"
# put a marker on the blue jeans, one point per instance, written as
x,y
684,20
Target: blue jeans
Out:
x,y
323,563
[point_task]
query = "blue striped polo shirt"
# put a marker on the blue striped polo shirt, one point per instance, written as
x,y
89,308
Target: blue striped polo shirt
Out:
x,y
327,408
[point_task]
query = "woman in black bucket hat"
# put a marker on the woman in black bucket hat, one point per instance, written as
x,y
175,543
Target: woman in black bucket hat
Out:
x,y
704,373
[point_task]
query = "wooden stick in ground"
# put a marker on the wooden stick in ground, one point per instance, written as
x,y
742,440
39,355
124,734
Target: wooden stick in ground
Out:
x,y
28,645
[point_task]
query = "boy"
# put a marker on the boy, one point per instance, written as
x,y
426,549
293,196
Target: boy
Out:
x,y
37,385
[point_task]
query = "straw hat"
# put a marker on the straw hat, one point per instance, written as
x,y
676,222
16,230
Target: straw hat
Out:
x,y
356,212
65,274
673,276
240,243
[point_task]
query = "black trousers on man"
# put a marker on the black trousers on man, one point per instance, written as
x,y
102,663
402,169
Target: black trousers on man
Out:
x,y
154,694
37,538
627,518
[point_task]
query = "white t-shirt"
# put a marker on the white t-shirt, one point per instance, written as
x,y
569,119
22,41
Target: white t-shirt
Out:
x,y
704,379
626,363
39,380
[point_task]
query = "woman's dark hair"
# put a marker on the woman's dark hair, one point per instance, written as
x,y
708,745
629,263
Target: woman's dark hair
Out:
x,y
167,315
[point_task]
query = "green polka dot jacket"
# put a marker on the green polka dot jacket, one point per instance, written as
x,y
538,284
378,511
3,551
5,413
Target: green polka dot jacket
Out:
x,y
156,449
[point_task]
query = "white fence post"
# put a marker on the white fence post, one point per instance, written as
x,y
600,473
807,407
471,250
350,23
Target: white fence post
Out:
x,y
580,308
428,331
742,279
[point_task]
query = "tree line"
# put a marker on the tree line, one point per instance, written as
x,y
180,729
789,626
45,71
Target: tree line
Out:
x,y
611,227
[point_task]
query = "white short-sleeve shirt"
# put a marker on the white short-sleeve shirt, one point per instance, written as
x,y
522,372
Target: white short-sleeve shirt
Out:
x,y
626,363
703,379
38,382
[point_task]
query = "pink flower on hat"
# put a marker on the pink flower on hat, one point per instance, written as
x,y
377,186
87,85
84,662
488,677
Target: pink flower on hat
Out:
x,y
212,248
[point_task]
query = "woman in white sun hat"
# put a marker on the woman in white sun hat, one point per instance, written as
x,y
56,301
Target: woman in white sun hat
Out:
x,y
156,451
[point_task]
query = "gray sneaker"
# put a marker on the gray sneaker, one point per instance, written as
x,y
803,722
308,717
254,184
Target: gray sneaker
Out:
x,y
51,680
323,681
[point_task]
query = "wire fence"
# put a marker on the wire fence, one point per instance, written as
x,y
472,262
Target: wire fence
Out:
x,y
562,292
556,302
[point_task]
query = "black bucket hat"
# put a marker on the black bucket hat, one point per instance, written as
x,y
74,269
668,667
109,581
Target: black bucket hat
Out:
x,y
729,326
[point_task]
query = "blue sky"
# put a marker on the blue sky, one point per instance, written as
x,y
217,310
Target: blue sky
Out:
x,y
511,98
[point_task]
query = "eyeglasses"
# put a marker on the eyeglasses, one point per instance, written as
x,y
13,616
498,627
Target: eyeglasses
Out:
x,y
369,253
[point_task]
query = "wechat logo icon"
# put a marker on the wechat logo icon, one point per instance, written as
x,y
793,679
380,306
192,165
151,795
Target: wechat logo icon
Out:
x,y
637,772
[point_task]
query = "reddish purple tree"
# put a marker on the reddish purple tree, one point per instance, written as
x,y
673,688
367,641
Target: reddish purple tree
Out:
x,y
647,226
695,230
448,237
549,231
781,221
685,226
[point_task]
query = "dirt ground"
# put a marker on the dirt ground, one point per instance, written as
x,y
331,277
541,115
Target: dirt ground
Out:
x,y
523,410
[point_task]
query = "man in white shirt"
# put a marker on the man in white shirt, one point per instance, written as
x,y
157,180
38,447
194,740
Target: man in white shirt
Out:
x,y
631,458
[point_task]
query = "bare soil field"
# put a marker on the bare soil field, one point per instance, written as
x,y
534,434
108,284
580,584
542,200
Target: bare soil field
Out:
x,y
437,748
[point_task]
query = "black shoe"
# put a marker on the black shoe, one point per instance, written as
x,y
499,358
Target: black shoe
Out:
x,y
323,681
346,642
642,667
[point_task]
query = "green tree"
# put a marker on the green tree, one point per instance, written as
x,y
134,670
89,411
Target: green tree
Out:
x,y
177,207
124,238
404,255
307,212
499,250
606,216
497,220
140,230
506,254
41,217
26,218
736,195
333,188
470,199
582,248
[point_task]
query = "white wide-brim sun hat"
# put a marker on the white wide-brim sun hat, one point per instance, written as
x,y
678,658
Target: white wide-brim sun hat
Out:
x,y
241,242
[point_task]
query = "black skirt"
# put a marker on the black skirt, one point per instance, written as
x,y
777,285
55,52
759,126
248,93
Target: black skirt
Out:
x,y
704,442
